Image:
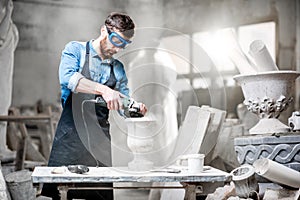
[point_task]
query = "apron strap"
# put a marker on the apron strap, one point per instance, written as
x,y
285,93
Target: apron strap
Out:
x,y
85,70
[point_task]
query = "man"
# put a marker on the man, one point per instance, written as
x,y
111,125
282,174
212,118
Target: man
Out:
x,y
88,70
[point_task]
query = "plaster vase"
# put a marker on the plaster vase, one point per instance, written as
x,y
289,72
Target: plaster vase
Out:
x,y
140,142
267,94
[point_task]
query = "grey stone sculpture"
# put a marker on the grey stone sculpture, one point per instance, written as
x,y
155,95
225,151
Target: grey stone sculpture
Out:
x,y
8,42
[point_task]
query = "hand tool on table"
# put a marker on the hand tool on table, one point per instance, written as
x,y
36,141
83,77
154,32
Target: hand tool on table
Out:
x,y
78,169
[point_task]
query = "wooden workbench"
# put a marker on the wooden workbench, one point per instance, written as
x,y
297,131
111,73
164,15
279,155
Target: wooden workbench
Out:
x,y
190,182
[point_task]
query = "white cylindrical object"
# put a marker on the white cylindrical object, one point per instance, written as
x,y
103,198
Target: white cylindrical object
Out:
x,y
262,57
244,180
277,172
242,62
236,54
195,162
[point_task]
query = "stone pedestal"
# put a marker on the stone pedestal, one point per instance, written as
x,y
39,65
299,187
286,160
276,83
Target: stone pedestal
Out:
x,y
283,148
244,181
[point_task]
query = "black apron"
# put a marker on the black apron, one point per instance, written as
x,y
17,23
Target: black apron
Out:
x,y
82,136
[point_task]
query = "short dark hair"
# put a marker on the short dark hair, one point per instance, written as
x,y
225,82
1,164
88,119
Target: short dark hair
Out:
x,y
122,22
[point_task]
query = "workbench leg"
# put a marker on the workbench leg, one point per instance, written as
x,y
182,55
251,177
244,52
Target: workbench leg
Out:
x,y
190,192
63,192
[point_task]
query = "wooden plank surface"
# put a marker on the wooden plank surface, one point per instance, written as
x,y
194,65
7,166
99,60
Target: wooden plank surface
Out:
x,y
111,174
22,118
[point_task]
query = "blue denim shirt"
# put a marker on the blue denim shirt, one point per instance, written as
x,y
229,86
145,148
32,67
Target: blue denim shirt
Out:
x,y
71,64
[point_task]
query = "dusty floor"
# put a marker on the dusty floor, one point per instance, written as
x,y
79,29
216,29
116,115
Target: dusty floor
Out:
x,y
121,195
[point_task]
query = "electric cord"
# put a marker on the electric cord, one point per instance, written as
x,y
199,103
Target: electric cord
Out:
x,y
101,101
86,128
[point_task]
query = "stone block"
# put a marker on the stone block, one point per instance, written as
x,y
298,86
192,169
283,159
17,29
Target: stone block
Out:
x,y
282,148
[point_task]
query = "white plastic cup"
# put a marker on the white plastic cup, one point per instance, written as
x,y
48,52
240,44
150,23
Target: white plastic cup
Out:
x,y
195,162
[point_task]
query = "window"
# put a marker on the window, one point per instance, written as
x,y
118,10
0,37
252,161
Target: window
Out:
x,y
218,45
205,66
262,31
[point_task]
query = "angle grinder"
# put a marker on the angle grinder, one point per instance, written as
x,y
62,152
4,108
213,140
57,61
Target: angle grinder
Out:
x,y
131,108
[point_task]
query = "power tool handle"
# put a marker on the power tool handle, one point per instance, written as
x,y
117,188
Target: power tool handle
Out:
x,y
101,101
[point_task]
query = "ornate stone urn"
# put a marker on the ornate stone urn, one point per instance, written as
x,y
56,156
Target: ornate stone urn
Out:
x,y
267,94
140,142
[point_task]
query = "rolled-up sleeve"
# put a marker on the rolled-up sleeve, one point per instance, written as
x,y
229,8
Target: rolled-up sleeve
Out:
x,y
69,66
123,88
73,81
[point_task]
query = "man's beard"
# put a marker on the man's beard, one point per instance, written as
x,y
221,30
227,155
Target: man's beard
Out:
x,y
105,53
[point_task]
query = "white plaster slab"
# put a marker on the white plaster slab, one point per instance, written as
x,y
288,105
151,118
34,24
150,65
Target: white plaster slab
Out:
x,y
122,174
192,132
199,133
211,137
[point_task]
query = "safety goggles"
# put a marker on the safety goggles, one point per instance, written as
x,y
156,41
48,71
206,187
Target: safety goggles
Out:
x,y
117,40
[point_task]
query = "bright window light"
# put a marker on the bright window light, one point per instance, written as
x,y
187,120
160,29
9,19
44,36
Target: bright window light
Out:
x,y
222,45
262,31
214,43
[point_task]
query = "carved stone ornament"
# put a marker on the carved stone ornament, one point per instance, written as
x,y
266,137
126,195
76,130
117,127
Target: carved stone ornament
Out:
x,y
267,107
284,149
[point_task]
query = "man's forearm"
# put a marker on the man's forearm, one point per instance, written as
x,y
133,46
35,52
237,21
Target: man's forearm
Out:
x,y
90,87
111,97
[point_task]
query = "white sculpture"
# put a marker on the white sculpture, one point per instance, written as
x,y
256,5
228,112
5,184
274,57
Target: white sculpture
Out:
x,y
140,142
9,38
267,94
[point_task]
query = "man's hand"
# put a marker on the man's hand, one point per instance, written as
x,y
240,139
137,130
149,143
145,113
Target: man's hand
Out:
x,y
143,108
113,99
